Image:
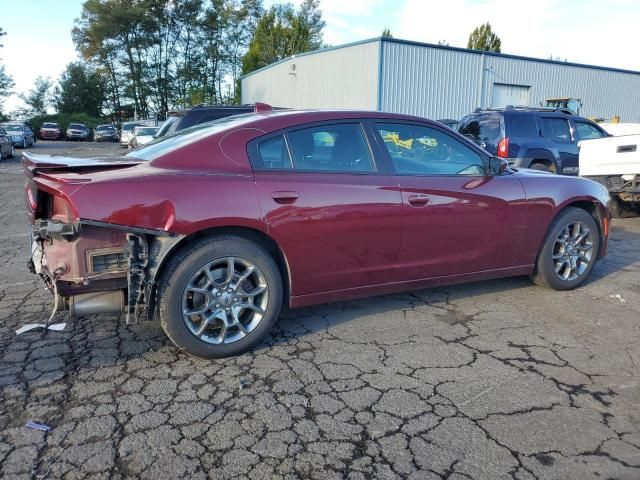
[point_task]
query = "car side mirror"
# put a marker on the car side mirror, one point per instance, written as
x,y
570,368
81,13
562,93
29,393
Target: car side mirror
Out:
x,y
497,166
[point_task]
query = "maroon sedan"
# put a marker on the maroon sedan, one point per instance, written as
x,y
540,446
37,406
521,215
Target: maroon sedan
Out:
x,y
50,131
217,227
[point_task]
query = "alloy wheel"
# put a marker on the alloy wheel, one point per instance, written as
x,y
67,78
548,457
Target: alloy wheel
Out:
x,y
225,300
572,251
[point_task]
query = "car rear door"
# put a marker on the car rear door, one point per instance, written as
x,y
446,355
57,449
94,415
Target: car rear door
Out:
x,y
457,218
332,208
559,135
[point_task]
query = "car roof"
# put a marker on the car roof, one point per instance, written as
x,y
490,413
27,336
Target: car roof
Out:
x,y
286,118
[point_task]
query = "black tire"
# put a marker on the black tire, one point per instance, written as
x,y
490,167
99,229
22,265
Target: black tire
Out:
x,y
185,263
541,167
12,152
544,273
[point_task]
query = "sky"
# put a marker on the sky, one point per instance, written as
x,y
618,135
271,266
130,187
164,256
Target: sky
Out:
x,y
38,40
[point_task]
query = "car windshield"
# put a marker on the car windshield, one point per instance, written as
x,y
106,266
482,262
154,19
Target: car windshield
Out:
x,y
104,127
13,128
49,125
129,126
146,130
77,126
162,146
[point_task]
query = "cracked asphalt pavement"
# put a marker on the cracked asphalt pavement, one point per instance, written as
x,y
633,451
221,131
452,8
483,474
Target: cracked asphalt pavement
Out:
x,y
498,379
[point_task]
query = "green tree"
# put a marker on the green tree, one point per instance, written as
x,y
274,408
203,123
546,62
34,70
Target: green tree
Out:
x,y
39,97
483,38
282,32
386,33
6,82
80,90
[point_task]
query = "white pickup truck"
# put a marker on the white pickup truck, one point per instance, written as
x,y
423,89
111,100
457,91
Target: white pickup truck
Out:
x,y
615,163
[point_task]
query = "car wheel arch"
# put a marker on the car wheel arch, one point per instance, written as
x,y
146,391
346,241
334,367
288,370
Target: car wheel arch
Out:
x,y
588,205
252,234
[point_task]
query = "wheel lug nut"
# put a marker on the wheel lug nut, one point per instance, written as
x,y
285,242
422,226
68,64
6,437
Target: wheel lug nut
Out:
x,y
218,294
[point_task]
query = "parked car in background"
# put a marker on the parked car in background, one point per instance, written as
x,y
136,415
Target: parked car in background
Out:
x,y
50,131
538,138
615,163
142,135
21,135
179,120
78,131
217,227
106,133
126,132
7,149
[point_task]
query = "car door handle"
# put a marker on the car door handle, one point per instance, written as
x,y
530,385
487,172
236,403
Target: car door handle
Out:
x,y
627,149
285,197
418,200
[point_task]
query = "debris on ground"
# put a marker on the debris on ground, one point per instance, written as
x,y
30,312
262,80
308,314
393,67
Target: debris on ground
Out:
x,y
618,297
244,383
56,327
38,426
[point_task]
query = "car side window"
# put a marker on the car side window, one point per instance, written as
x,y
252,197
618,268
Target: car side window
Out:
x,y
586,131
556,129
420,150
273,154
331,148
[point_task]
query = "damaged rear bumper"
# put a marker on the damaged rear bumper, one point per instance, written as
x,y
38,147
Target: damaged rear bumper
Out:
x,y
97,268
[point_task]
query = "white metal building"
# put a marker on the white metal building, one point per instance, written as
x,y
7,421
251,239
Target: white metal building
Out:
x,y
436,81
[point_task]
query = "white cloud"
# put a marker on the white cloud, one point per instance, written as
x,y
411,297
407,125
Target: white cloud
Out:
x,y
602,33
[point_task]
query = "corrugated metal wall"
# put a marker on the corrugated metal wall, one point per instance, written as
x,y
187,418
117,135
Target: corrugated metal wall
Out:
x,y
429,82
341,78
440,83
433,82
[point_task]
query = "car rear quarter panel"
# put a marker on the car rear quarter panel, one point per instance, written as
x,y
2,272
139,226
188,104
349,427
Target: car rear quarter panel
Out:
x,y
188,190
547,195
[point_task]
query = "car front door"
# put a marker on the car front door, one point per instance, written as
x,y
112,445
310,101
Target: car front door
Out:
x,y
457,218
334,211
560,136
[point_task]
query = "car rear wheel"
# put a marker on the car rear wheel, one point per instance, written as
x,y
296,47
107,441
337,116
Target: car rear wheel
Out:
x,y
219,296
12,152
569,251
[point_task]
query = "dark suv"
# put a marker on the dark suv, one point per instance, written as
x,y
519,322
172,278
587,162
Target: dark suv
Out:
x,y
179,120
538,138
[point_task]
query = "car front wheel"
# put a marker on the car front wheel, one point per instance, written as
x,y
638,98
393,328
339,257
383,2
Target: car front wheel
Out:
x,y
219,296
569,251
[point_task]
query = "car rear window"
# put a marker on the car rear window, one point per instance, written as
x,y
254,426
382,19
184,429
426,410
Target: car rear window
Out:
x,y
481,128
273,154
76,126
556,129
146,131
521,126
104,127
334,148
165,145
49,125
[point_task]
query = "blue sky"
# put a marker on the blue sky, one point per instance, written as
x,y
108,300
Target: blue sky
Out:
x,y
38,40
